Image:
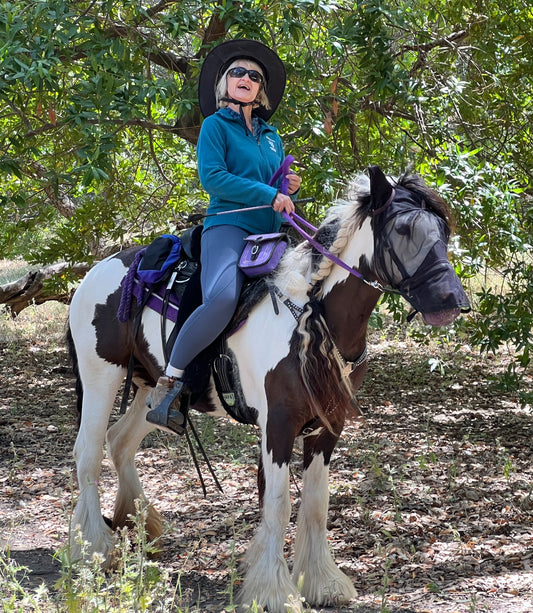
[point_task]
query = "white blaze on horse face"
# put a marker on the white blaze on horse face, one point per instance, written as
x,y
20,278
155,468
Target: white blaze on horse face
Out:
x,y
410,238
360,245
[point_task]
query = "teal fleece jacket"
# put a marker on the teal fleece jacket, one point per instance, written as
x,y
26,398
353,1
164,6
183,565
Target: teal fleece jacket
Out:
x,y
235,167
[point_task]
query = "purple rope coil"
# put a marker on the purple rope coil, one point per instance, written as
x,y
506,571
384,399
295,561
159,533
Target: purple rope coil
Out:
x,y
124,308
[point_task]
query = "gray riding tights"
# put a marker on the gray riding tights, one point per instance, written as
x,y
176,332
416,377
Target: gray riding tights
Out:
x,y
222,281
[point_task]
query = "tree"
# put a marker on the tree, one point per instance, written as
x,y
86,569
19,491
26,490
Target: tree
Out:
x,y
99,117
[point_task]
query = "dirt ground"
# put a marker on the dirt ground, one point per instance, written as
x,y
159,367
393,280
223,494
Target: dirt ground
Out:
x,y
431,494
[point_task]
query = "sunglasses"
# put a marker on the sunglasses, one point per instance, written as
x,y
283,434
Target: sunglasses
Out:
x,y
239,71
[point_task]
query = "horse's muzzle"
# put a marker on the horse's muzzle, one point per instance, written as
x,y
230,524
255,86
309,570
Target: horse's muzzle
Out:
x,y
436,291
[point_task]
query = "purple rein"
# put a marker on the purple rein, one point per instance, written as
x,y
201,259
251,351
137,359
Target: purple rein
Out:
x,y
283,171
294,219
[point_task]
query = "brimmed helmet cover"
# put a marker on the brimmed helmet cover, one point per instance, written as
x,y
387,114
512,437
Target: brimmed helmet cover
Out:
x,y
219,58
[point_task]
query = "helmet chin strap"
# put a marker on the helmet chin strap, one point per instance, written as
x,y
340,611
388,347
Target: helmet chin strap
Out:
x,y
240,105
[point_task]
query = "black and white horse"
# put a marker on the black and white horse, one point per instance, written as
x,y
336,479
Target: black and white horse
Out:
x,y
298,367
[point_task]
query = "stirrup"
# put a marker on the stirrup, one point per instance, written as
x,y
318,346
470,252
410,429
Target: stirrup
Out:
x,y
164,417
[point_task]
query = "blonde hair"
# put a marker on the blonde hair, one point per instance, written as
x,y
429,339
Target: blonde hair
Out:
x,y
221,88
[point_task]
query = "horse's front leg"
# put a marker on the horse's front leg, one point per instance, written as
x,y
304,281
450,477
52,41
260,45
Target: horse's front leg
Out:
x,y
267,580
322,581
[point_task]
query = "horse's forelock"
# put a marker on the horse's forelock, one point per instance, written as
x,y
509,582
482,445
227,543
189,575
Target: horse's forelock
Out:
x,y
434,202
359,193
358,188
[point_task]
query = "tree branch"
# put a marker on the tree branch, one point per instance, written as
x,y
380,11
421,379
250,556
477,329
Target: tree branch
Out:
x,y
160,6
28,290
165,59
56,194
444,41
188,132
216,29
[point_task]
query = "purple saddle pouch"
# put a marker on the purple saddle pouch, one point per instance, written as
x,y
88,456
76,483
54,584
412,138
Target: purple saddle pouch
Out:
x,y
262,253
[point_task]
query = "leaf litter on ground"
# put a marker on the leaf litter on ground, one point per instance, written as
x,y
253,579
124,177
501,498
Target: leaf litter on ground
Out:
x,y
431,492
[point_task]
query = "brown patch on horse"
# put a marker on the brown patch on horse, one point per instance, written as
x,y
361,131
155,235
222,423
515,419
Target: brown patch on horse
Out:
x,y
290,409
115,340
349,326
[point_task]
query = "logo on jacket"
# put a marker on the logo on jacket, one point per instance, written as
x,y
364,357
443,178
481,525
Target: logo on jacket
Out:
x,y
272,144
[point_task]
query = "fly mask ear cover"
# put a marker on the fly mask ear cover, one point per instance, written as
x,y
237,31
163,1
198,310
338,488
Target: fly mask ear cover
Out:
x,y
411,253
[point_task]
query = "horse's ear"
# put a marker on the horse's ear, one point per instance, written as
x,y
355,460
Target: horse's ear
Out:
x,y
380,188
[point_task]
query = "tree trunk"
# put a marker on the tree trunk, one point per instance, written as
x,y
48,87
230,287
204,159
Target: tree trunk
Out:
x,y
30,289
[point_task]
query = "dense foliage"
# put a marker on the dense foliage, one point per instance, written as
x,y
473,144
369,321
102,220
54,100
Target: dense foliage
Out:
x,y
99,118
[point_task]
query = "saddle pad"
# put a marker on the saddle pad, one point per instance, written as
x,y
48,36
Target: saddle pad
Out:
x,y
155,301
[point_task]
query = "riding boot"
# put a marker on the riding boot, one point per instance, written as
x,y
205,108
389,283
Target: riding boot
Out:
x,y
165,398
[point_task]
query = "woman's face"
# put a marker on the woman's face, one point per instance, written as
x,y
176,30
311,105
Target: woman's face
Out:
x,y
243,88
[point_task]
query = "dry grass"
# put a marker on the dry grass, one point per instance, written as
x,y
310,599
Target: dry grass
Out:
x,y
11,270
35,324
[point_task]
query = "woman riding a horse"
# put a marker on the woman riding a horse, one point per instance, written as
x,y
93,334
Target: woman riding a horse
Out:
x,y
297,358
238,152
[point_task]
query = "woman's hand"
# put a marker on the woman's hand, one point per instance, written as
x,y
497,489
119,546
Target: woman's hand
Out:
x,y
283,203
294,182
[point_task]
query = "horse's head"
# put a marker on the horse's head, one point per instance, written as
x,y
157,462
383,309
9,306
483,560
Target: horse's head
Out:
x,y
411,233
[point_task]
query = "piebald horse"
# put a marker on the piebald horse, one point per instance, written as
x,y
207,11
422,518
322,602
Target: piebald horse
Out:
x,y
298,366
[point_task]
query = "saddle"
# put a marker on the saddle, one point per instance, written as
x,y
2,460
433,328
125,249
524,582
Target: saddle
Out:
x,y
175,294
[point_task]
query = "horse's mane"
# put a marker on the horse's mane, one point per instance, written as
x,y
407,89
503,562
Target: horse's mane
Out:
x,y
301,276
303,267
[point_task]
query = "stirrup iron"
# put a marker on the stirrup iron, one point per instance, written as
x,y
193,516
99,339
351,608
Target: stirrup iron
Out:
x,y
164,416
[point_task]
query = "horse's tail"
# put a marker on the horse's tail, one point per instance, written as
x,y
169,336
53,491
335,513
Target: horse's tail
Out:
x,y
327,390
74,363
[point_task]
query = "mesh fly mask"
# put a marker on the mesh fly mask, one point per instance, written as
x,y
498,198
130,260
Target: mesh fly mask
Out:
x,y
411,253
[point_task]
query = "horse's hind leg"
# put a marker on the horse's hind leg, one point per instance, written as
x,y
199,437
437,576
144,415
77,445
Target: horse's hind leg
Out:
x,y
123,440
322,581
98,396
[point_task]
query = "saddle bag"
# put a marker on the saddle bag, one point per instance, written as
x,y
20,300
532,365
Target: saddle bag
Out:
x,y
262,253
159,259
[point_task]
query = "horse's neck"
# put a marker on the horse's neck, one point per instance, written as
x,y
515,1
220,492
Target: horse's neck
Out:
x,y
349,302
348,307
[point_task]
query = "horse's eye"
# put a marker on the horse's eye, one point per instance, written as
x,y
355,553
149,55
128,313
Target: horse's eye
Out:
x,y
403,229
